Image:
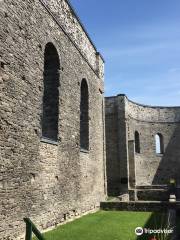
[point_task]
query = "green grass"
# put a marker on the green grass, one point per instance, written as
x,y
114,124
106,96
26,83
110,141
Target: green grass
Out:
x,y
178,225
110,225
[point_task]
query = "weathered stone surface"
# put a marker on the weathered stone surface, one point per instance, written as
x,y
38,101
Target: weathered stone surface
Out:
x,y
147,168
46,182
143,206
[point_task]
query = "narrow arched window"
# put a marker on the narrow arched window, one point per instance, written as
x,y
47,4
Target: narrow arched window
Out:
x,y
159,143
137,142
84,116
51,93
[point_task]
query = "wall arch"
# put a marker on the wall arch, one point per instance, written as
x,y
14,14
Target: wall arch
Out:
x,y
84,115
137,142
159,143
50,113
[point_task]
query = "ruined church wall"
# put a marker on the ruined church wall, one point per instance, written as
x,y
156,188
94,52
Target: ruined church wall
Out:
x,y
123,118
153,168
116,145
65,14
112,163
47,182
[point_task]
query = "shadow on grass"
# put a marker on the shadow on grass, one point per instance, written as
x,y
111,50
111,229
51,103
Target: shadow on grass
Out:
x,y
157,221
112,225
178,224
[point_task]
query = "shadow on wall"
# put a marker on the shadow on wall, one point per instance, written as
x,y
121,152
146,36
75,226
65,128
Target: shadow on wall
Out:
x,y
112,160
169,166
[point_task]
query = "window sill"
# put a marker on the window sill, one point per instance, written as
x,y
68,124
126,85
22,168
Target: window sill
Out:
x,y
84,150
49,141
159,154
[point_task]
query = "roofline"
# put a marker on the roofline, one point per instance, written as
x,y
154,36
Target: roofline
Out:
x,y
83,27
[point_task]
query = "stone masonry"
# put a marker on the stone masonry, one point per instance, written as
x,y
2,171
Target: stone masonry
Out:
x,y
62,147
145,174
44,174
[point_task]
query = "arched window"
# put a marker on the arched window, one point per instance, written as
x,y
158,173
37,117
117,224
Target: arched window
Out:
x,y
84,116
51,93
137,142
159,143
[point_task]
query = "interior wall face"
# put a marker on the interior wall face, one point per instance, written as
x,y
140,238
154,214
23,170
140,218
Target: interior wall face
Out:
x,y
116,146
153,168
112,160
48,181
150,168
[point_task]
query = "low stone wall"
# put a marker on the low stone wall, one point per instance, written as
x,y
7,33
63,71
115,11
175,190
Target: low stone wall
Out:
x,y
143,206
152,195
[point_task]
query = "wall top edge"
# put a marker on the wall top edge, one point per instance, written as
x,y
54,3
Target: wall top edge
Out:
x,y
83,27
141,104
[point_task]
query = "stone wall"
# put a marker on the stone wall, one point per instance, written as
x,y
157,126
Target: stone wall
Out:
x,y
64,14
48,181
146,168
156,206
116,147
153,168
113,163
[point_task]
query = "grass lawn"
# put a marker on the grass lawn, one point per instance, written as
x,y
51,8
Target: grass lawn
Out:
x,y
110,225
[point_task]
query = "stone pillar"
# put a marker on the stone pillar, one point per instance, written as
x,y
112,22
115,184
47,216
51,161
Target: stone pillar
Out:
x,y
100,66
122,144
132,171
131,155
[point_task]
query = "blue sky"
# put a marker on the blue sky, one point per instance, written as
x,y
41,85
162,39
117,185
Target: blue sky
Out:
x,y
140,41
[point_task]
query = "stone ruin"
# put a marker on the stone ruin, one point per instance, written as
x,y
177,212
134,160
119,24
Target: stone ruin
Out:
x,y
63,147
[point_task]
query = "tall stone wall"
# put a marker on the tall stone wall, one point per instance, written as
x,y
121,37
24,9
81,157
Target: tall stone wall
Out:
x,y
64,13
113,163
153,168
146,168
116,146
45,180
